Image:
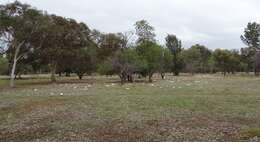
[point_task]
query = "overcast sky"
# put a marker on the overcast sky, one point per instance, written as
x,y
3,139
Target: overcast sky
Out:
x,y
214,23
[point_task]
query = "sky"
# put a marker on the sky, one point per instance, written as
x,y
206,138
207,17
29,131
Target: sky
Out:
x,y
213,23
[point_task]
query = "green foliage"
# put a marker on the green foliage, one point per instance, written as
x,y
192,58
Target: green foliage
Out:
x,y
192,59
225,60
175,46
151,53
253,132
106,68
251,35
197,58
165,61
144,31
108,45
3,66
84,61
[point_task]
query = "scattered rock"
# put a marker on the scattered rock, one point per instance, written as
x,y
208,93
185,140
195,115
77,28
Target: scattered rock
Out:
x,y
113,84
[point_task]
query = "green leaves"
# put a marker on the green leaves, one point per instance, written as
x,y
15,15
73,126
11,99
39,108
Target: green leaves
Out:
x,y
251,35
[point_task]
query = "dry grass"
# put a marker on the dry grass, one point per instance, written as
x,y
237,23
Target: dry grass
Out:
x,y
198,108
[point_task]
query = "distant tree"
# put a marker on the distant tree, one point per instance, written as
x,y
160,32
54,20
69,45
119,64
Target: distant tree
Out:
x,y
192,58
251,38
222,60
108,45
125,63
85,61
79,59
150,53
234,61
205,55
246,59
175,46
251,35
63,38
19,29
144,31
165,62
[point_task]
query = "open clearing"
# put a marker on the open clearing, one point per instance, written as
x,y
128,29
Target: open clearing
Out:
x,y
198,108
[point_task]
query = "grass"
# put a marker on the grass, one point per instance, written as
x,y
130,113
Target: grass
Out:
x,y
185,108
254,132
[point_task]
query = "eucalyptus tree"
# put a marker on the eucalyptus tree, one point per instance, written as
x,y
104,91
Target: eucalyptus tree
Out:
x,y
165,62
203,59
19,31
251,38
108,45
150,53
222,60
192,58
144,31
175,46
125,63
64,37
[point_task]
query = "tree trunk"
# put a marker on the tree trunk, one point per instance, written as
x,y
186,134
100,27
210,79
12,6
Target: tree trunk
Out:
x,y
122,78
80,75
130,78
163,75
67,74
255,68
150,77
16,58
176,73
13,73
53,72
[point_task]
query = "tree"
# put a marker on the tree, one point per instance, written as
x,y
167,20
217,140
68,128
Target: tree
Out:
x,y
19,29
222,59
79,60
192,58
251,38
63,38
175,46
144,31
125,63
165,62
246,59
150,53
234,61
108,45
84,61
205,55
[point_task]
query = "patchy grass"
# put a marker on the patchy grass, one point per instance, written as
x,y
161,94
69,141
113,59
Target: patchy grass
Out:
x,y
186,108
254,132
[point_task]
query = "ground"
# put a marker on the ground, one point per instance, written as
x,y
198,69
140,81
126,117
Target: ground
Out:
x,y
196,108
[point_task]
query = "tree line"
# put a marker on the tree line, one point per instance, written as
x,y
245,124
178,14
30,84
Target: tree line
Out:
x,y
34,41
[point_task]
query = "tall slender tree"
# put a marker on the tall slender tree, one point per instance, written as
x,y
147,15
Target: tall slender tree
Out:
x,y
251,38
175,46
